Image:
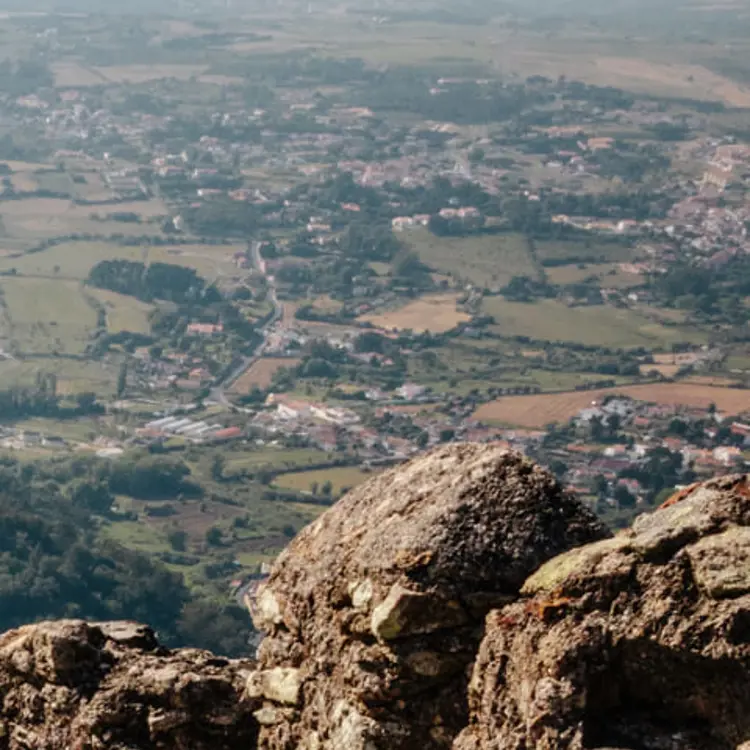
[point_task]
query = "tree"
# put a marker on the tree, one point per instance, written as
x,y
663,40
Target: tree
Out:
x,y
601,486
223,629
218,463
623,497
122,379
326,489
86,401
559,468
214,537
93,496
177,540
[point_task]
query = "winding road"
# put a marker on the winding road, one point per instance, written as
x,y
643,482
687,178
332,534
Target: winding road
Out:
x,y
218,392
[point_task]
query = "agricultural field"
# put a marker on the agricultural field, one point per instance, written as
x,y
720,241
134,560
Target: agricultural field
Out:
x,y
485,260
608,275
54,181
261,373
210,261
570,252
143,73
44,218
326,304
70,260
74,260
341,478
276,457
435,313
41,316
667,371
540,410
24,182
550,320
73,74
73,376
123,313
94,189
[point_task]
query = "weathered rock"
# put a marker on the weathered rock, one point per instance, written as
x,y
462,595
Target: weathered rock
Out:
x,y
639,642
280,684
70,685
379,604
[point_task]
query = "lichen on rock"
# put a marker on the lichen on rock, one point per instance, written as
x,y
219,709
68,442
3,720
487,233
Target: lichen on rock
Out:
x,y
641,641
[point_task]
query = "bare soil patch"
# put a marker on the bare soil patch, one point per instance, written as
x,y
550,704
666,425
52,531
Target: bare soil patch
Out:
x,y
540,410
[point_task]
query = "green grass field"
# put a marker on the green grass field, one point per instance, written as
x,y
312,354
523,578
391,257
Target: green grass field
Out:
x,y
46,316
76,430
123,313
550,320
270,457
341,478
74,260
73,376
608,275
44,218
575,251
485,260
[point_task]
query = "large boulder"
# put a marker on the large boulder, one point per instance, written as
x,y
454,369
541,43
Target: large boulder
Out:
x,y
639,642
71,685
374,613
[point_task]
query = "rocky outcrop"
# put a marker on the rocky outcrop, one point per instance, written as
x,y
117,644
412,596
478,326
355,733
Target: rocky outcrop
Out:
x,y
462,601
70,685
374,613
639,642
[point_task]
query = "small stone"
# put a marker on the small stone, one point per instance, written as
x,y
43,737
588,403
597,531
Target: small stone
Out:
x,y
268,716
431,665
162,721
281,685
361,593
267,614
721,563
404,613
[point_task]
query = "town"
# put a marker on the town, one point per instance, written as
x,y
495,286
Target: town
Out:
x,y
258,275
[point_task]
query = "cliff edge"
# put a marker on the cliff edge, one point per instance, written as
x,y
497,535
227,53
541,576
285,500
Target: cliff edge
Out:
x,y
463,601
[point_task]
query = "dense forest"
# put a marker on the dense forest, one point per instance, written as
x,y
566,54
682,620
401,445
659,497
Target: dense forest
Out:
x,y
55,562
153,281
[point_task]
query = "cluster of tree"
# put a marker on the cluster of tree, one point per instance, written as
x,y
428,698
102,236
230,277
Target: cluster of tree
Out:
x,y
399,425
695,431
153,281
403,89
369,241
19,77
534,218
150,478
525,289
410,271
223,218
715,293
632,165
455,226
56,564
42,400
660,469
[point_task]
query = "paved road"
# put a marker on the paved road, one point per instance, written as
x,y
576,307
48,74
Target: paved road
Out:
x,y
218,392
